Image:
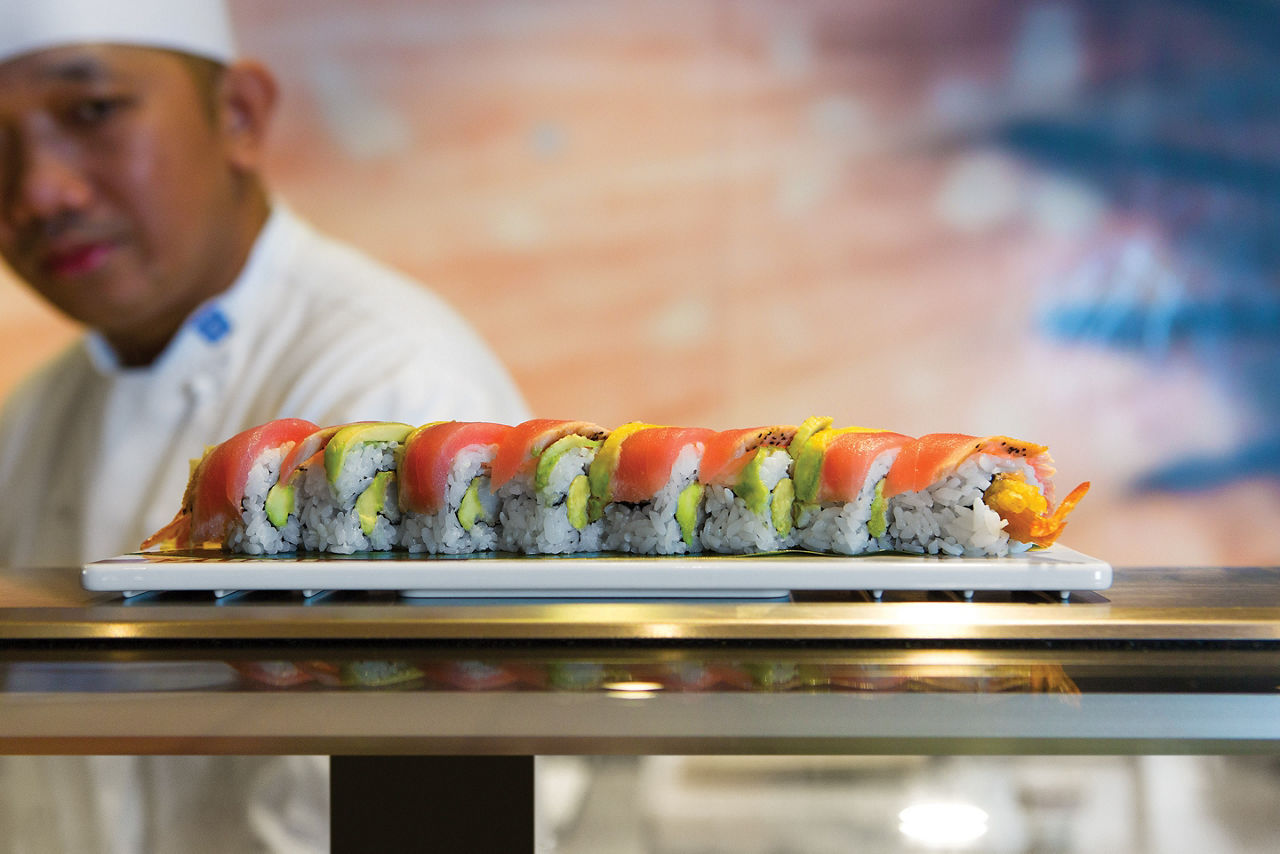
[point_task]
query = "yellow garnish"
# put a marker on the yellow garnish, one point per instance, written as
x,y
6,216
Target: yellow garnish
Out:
x,y
1026,510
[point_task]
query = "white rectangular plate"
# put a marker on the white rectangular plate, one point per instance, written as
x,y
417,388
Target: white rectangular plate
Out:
x,y
1058,569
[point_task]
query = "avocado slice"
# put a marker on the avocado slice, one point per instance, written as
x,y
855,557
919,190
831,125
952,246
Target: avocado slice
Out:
x,y
552,455
471,509
335,453
802,512
374,499
280,503
784,496
604,465
750,486
807,428
595,506
576,502
879,521
377,674
808,470
687,504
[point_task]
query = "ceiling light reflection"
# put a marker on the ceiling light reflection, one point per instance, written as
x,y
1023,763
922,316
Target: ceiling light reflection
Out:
x,y
632,690
943,825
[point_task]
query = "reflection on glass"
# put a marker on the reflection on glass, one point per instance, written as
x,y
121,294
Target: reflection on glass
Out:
x,y
690,675
1065,674
633,690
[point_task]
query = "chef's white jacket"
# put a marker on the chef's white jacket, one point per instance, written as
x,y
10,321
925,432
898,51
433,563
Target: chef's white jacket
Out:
x,y
95,456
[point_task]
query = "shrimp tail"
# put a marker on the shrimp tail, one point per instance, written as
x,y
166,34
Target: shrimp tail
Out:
x,y
177,534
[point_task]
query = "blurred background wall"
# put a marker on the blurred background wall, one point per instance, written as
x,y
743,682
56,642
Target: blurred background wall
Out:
x,y
1056,220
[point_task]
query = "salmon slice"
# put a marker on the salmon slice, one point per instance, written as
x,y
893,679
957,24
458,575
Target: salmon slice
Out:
x,y
211,505
429,453
727,452
306,451
519,450
926,460
645,460
848,459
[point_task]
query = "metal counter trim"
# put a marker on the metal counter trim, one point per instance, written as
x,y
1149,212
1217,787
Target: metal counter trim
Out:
x,y
1226,605
583,724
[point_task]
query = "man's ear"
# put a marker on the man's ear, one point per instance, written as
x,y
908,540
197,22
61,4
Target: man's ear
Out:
x,y
247,101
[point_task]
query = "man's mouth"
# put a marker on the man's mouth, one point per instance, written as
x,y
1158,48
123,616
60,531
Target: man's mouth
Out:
x,y
77,260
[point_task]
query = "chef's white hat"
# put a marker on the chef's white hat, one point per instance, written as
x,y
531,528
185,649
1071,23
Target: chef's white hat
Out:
x,y
198,27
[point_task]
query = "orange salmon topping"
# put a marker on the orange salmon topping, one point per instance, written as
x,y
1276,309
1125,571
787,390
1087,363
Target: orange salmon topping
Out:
x,y
646,458
429,452
211,505
927,459
847,460
302,453
728,451
519,451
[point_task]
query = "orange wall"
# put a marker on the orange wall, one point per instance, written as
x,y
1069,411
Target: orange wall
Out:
x,y
30,332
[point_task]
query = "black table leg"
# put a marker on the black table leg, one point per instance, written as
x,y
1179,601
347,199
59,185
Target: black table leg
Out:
x,y
454,804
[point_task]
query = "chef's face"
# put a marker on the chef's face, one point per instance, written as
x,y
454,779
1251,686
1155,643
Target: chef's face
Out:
x,y
116,185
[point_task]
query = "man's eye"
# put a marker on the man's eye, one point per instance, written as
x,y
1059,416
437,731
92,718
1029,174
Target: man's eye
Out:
x,y
91,111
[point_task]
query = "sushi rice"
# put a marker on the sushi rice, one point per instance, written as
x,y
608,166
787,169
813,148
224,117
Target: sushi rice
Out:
x,y
442,532
258,536
730,527
327,513
536,521
843,527
650,527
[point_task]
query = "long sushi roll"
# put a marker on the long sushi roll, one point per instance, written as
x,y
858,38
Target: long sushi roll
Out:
x,y
839,478
951,493
645,486
351,503
749,490
539,475
224,504
446,501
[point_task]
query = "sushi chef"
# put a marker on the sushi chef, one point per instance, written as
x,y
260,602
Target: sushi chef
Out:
x,y
132,136
132,139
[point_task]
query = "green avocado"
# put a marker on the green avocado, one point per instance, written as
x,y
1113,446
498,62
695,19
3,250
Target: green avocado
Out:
x,y
374,499
606,462
280,502
784,496
377,674
471,509
750,486
771,675
687,504
576,502
335,453
802,512
808,470
547,461
879,521
807,428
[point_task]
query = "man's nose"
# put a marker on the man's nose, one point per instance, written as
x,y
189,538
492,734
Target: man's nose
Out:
x,y
42,181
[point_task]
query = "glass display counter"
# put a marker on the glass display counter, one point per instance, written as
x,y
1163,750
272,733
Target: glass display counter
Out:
x,y
1166,660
